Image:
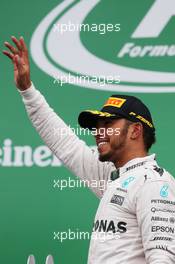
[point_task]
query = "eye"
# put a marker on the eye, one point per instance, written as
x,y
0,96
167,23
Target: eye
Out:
x,y
108,122
104,123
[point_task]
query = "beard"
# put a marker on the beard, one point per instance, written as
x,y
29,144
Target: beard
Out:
x,y
116,148
105,157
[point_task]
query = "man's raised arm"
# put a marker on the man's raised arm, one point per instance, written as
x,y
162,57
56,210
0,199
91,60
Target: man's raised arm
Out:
x,y
72,151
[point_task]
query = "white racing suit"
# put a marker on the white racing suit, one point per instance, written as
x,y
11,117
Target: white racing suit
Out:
x,y
135,221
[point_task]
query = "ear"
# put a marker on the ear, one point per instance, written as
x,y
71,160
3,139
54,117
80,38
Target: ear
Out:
x,y
136,130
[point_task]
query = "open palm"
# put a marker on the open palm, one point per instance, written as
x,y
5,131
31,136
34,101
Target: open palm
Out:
x,y
19,57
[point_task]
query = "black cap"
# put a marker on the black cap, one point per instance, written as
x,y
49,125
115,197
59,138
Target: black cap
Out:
x,y
118,106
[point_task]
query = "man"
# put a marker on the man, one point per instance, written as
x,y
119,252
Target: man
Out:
x,y
135,221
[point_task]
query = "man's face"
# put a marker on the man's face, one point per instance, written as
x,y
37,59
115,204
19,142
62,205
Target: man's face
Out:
x,y
111,138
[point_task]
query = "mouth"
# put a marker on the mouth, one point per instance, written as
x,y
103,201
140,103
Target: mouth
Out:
x,y
101,144
101,141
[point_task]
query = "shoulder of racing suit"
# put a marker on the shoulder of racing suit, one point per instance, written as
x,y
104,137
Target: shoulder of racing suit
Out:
x,y
143,178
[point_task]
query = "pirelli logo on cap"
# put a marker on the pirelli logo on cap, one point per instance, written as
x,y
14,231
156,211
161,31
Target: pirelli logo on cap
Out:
x,y
114,101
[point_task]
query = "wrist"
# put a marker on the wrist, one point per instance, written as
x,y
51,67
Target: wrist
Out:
x,y
27,90
24,87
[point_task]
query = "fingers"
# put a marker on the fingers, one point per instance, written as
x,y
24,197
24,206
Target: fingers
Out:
x,y
11,57
8,54
20,50
23,45
11,48
17,43
20,44
24,50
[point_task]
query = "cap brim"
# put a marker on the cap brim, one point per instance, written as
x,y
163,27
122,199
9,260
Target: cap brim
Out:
x,y
88,119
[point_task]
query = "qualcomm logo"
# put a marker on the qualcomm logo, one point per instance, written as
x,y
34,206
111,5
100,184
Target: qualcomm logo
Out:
x,y
137,61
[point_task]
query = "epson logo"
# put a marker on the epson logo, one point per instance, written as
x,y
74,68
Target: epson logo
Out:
x,y
163,229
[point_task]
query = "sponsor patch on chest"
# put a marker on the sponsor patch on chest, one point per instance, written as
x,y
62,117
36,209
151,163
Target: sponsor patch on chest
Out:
x,y
117,199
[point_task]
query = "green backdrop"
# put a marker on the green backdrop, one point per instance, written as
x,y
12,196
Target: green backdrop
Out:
x,y
31,208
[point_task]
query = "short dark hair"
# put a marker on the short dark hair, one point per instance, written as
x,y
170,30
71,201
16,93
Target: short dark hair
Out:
x,y
149,137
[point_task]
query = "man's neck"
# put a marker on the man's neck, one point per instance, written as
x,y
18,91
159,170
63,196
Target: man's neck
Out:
x,y
129,156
